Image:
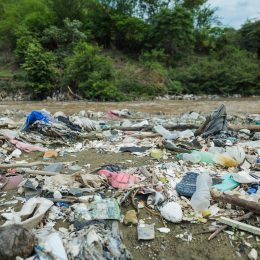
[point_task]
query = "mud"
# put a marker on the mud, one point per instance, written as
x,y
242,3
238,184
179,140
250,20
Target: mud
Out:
x,y
164,246
234,106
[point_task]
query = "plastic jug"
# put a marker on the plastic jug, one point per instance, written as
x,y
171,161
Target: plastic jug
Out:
x,y
200,200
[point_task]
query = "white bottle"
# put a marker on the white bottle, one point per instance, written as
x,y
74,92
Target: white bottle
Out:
x,y
200,200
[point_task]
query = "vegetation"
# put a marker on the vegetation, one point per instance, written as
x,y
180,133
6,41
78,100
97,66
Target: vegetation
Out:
x,y
126,49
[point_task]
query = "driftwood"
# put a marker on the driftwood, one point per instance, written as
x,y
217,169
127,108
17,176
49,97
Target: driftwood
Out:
x,y
28,165
200,129
216,232
36,172
150,127
73,94
237,201
22,165
252,128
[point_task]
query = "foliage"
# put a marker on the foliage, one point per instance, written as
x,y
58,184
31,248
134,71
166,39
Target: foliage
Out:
x,y
91,72
130,33
250,36
235,73
172,30
31,14
40,67
127,49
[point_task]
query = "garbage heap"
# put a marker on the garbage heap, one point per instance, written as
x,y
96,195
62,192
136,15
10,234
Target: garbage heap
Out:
x,y
201,169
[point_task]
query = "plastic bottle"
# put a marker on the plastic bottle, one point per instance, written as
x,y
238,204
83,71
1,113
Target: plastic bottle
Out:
x,y
204,156
191,157
164,132
200,200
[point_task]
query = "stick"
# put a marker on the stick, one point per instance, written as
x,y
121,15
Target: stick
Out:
x,y
240,225
150,127
216,232
27,165
245,204
73,94
35,172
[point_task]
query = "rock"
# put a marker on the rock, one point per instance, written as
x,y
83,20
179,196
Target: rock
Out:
x,y
15,241
130,218
252,254
172,212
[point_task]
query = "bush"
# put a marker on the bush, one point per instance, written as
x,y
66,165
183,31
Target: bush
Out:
x,y
234,73
90,71
130,33
138,80
40,68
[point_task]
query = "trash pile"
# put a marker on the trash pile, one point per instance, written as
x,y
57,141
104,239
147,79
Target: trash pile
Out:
x,y
203,169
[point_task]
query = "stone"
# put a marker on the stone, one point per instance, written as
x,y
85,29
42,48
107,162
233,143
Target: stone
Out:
x,y
130,218
252,254
15,240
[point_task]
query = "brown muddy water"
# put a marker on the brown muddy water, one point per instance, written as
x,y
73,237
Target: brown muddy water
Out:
x,y
234,106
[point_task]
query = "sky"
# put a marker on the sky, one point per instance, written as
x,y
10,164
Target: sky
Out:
x,y
235,12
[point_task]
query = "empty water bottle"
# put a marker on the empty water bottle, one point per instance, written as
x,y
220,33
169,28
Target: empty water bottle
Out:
x,y
164,132
200,200
191,157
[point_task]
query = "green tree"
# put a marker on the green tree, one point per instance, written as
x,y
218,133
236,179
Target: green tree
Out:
x,y
34,15
91,72
130,33
250,36
172,30
40,68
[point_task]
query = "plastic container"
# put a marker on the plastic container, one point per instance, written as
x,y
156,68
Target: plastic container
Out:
x,y
164,132
200,200
191,157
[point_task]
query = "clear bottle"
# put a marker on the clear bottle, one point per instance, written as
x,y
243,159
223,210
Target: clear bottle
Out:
x,y
164,132
200,200
191,157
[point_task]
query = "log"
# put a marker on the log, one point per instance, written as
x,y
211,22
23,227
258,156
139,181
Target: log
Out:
x,y
150,127
252,128
73,94
36,172
216,232
237,201
28,165
22,165
240,225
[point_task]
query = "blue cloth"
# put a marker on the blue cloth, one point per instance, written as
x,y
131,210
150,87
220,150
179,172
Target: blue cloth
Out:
x,y
34,116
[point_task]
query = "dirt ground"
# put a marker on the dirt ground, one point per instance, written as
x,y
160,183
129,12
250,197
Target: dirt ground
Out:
x,y
234,106
164,246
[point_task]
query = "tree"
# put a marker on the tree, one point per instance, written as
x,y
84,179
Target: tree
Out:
x,y
40,68
172,30
34,15
250,36
130,33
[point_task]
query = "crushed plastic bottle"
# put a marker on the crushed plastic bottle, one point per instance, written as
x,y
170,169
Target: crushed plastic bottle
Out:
x,y
200,200
197,156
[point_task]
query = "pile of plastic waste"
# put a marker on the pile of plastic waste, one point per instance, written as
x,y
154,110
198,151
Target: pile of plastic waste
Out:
x,y
202,168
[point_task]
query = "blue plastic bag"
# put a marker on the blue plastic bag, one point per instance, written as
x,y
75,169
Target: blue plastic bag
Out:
x,y
34,116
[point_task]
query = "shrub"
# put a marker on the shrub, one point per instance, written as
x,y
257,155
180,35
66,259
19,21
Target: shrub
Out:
x,y
90,71
40,68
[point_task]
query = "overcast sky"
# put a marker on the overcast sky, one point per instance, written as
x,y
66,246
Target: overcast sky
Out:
x,y
235,12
